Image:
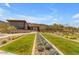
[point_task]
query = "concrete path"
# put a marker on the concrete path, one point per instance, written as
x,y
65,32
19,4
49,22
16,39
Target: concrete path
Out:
x,y
5,53
7,35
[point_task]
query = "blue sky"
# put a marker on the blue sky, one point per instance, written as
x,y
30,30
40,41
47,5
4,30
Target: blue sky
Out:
x,y
62,13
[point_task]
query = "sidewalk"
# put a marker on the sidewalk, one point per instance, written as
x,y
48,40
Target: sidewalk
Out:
x,y
5,53
8,35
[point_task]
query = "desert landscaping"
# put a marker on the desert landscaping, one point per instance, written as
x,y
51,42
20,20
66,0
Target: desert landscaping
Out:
x,y
38,39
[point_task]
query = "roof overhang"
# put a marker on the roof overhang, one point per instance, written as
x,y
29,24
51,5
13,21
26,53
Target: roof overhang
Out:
x,y
16,20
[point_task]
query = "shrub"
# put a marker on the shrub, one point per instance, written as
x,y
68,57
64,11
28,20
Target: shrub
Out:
x,y
48,46
44,42
4,41
39,43
73,38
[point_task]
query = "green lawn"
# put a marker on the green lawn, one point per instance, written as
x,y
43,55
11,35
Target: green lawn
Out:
x,y
21,46
65,46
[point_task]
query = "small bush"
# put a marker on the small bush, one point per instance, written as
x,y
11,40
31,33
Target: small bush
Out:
x,y
4,41
39,43
44,42
73,38
48,46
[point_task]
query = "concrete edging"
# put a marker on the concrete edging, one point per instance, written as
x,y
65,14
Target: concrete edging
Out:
x,y
6,53
53,45
34,43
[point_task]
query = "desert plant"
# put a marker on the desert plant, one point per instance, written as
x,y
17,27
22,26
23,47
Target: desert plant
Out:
x,y
39,43
73,38
40,48
4,41
48,46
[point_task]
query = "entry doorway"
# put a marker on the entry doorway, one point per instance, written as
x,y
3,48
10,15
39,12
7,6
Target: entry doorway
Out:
x,y
34,28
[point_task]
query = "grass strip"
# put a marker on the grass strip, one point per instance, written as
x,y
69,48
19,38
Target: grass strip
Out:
x,y
22,46
66,46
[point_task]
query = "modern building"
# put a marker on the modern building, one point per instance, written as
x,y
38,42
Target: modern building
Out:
x,y
19,24
22,24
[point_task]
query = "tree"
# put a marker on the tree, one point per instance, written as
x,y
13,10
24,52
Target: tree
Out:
x,y
11,28
57,27
5,27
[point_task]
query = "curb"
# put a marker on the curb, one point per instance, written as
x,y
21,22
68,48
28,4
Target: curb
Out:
x,y
6,53
33,49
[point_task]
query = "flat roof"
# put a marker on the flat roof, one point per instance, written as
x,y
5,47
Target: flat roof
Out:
x,y
36,24
16,20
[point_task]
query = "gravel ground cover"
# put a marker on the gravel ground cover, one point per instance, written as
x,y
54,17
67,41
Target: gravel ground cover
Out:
x,y
43,47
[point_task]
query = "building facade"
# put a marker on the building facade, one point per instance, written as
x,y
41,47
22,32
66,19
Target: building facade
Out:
x,y
22,24
19,24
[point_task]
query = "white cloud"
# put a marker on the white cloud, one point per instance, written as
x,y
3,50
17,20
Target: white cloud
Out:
x,y
76,16
47,19
2,12
74,23
35,18
10,18
7,4
5,14
55,19
75,20
1,15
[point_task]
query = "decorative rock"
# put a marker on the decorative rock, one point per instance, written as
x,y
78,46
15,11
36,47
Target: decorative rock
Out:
x,y
52,52
48,46
43,47
40,48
